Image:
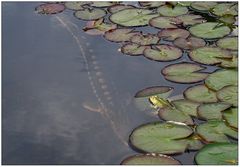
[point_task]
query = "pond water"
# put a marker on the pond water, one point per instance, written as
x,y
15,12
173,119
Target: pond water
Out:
x,y
55,80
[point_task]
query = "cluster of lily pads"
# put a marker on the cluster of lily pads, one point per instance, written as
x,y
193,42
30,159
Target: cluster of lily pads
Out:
x,y
206,32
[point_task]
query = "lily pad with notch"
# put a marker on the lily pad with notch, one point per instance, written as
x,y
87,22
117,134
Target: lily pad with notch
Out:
x,y
230,43
90,14
222,9
228,94
184,73
162,53
153,4
50,8
145,39
165,22
186,106
191,19
172,33
231,117
102,4
230,63
118,7
203,7
133,49
168,10
189,43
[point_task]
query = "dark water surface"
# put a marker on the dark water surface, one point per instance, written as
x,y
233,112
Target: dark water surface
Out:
x,y
49,111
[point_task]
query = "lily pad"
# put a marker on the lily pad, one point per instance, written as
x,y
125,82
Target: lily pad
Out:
x,y
194,142
189,43
209,30
222,9
184,73
132,17
230,63
218,154
102,4
118,7
145,39
203,6
231,116
209,55
170,11
133,49
90,14
150,159
76,5
215,131
50,8
157,137
212,110
227,19
228,94
200,94
120,34
173,33
230,43
165,22
162,53
186,106
152,4
220,78
191,19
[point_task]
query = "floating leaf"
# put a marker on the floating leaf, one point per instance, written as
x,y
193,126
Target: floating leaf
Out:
x,y
150,159
145,39
162,53
191,19
203,6
194,142
76,5
118,7
120,34
189,43
132,17
227,19
220,78
184,73
230,43
133,49
218,154
153,4
186,106
215,131
222,9
228,94
209,55
165,22
157,137
209,30
103,4
90,14
200,94
50,8
182,3
173,33
230,63
212,110
231,116
168,10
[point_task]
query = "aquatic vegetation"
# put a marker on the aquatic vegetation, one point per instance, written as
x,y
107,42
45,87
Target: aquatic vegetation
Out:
x,y
204,32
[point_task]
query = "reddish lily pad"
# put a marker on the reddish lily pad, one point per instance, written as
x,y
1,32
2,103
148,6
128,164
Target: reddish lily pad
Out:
x,y
189,43
191,19
173,33
168,10
145,39
228,94
50,8
90,14
133,49
162,53
120,34
165,22
200,94
184,73
118,7
230,43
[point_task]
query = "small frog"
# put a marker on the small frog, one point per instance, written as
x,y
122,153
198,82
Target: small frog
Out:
x,y
158,102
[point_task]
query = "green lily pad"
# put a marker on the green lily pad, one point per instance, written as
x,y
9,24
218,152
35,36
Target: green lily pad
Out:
x,y
76,5
102,4
50,8
194,142
215,131
227,19
90,14
212,110
189,43
173,33
209,55
170,11
184,73
222,9
209,30
186,106
230,63
157,137
191,19
145,39
218,154
184,3
162,53
231,117
173,114
228,94
118,7
230,43
133,49
220,78
203,6
132,17
120,34
152,4
200,94
165,22
150,159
